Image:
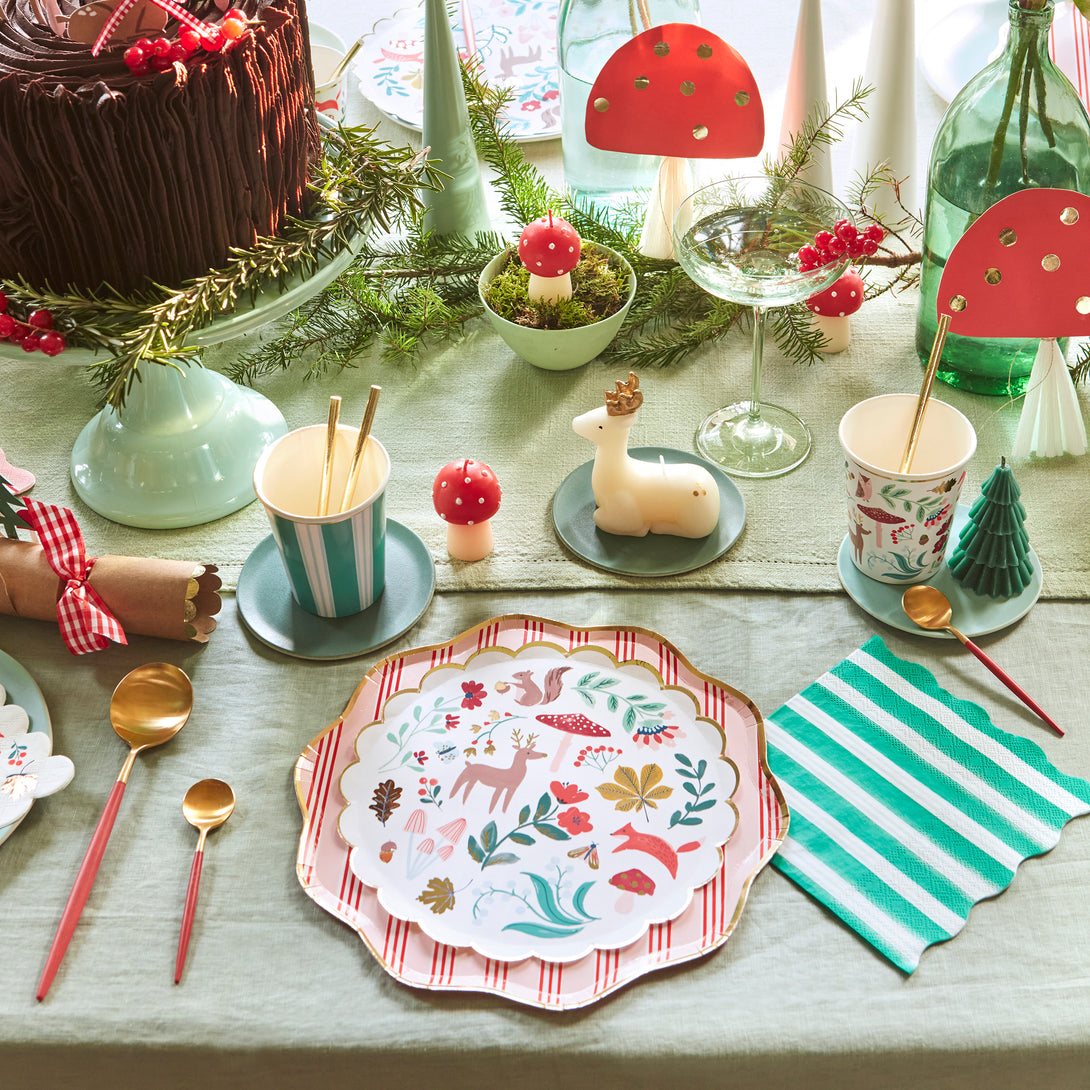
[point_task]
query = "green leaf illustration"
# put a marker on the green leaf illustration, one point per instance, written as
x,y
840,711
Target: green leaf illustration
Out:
x,y
551,831
499,858
475,849
490,837
542,931
521,838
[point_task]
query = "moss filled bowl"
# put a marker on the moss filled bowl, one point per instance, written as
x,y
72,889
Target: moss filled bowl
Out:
x,y
543,336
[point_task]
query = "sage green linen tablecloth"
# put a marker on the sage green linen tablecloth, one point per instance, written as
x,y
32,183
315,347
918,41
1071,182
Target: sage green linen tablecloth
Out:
x,y
279,994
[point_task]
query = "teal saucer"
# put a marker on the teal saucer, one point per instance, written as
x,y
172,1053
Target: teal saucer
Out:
x,y
655,554
275,618
973,614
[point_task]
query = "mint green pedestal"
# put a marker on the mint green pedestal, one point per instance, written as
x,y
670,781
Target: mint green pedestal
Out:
x,y
181,452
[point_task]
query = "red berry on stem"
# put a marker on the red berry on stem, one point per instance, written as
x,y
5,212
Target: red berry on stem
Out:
x,y
845,231
189,40
810,255
7,325
837,247
178,54
160,47
3,302
822,239
143,44
29,343
40,319
870,247
233,29
235,13
214,41
18,332
52,343
134,56
874,233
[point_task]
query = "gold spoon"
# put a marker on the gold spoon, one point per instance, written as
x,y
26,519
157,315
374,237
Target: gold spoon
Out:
x,y
930,608
149,706
206,806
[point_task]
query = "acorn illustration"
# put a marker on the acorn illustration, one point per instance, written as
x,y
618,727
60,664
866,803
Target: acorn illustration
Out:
x,y
386,852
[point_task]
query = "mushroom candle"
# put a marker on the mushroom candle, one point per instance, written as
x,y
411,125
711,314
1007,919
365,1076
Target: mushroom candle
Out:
x,y
466,495
549,247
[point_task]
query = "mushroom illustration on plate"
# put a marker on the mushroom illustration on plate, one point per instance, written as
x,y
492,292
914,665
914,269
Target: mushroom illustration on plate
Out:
x,y
573,725
880,518
632,883
549,247
832,310
466,495
1021,271
681,92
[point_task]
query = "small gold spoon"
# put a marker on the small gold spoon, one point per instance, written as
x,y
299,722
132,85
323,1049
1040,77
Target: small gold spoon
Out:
x,y
930,608
206,806
149,706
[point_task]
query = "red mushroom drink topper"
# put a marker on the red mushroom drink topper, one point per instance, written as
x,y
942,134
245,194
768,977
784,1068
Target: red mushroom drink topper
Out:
x,y
676,90
681,92
1022,269
466,495
549,247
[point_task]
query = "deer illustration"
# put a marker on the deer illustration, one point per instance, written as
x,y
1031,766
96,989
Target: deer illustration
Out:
x,y
503,781
634,497
856,532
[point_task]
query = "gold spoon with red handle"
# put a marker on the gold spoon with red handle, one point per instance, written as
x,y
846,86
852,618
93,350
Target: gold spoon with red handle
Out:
x,y
930,608
206,806
149,706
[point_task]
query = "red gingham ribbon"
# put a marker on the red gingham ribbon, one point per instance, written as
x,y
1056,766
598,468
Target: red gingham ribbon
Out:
x,y
169,6
86,624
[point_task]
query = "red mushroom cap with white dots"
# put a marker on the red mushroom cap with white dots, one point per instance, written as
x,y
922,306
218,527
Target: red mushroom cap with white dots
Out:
x,y
549,246
466,492
839,299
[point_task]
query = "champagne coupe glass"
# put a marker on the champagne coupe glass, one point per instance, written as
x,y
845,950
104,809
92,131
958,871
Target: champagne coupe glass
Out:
x,y
737,238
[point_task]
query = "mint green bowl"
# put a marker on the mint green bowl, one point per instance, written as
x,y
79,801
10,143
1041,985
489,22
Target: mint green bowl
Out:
x,y
558,349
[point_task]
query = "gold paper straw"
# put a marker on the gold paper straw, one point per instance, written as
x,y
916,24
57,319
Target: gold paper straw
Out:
x,y
925,392
361,443
327,461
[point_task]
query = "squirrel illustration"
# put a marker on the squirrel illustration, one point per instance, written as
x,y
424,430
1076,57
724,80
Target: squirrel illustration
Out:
x,y
529,693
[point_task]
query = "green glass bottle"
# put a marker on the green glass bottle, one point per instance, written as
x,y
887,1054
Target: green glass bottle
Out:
x,y
1016,124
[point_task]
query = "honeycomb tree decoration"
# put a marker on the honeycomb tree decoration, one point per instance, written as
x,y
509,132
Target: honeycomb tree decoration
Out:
x,y
992,553
680,92
1023,270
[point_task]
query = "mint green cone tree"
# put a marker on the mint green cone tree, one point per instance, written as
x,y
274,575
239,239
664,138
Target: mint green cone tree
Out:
x,y
992,553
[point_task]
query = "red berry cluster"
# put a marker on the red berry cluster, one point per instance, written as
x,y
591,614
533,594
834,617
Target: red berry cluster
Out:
x,y
845,238
157,55
35,333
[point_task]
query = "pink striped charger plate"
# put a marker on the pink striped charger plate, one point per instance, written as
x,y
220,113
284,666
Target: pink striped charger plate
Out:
x,y
412,957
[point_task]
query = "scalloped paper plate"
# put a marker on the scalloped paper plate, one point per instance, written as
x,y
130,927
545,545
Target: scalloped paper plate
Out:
x,y
515,41
414,794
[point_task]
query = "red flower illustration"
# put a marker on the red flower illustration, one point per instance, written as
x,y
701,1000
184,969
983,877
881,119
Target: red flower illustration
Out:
x,y
574,821
451,722
567,793
473,694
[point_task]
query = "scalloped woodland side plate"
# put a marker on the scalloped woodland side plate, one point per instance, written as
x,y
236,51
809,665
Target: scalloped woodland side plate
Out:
x,y
524,879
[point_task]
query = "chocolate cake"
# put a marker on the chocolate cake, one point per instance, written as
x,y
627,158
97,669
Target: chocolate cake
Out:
x,y
112,179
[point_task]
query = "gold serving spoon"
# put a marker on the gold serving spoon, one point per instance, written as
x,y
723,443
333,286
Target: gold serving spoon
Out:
x,y
149,706
930,608
206,806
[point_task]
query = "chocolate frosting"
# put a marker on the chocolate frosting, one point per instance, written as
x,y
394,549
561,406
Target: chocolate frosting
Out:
x,y
113,181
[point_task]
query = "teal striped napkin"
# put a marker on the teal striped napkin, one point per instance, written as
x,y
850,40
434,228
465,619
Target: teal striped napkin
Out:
x,y
907,804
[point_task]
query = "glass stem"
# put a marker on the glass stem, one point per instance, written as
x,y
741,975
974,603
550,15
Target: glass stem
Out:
x,y
758,358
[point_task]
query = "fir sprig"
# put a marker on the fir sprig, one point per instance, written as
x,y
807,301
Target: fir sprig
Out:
x,y
360,184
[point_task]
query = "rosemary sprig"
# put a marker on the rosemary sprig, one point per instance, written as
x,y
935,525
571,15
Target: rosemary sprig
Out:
x,y
360,184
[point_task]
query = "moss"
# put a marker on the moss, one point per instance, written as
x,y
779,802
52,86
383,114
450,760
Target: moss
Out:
x,y
599,289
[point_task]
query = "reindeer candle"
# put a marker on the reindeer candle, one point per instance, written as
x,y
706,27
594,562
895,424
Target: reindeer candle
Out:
x,y
634,497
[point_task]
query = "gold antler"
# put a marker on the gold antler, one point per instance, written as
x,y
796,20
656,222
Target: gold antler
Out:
x,y
627,399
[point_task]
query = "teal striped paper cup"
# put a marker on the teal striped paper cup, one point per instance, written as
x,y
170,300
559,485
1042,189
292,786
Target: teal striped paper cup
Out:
x,y
336,563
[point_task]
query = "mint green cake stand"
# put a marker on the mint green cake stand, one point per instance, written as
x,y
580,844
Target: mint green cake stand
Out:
x,y
182,450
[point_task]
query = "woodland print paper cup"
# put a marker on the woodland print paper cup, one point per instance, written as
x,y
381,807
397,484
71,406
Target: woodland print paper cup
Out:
x,y
336,563
899,523
327,50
